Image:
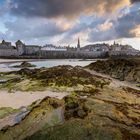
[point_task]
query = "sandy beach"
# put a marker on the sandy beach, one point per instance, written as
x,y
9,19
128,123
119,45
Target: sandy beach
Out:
x,y
20,99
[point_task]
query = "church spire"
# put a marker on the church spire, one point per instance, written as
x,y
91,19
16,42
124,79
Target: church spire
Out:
x,y
78,45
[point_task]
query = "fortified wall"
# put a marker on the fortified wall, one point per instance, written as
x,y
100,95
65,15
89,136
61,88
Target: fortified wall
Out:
x,y
52,52
71,54
8,52
124,53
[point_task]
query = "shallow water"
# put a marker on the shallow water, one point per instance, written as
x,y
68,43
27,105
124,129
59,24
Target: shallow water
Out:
x,y
12,119
55,116
52,63
20,116
47,63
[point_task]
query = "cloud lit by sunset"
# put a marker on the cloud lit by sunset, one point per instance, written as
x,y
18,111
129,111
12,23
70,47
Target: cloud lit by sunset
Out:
x,y
62,21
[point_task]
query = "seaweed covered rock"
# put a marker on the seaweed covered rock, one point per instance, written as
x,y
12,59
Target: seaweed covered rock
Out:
x,y
55,77
4,111
89,89
100,117
26,71
48,112
66,76
114,114
24,65
122,69
75,108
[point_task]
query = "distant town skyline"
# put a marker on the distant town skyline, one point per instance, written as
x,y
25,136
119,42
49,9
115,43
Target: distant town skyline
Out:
x,y
62,22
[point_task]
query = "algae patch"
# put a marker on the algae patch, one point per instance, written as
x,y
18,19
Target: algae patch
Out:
x,y
5,111
122,69
56,77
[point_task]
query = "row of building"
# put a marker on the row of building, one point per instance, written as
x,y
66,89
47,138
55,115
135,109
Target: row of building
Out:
x,y
107,48
6,49
21,49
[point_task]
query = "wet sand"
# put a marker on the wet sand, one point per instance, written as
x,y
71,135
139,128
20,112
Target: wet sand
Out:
x,y
114,82
20,99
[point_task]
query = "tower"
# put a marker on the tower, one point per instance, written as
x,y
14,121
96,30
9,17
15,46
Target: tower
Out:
x,y
78,45
3,42
20,47
114,43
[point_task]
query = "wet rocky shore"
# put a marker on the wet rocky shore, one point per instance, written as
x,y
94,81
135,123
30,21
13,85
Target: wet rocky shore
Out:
x,y
94,108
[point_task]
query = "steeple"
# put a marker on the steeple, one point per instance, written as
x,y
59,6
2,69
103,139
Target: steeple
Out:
x,y
3,41
78,45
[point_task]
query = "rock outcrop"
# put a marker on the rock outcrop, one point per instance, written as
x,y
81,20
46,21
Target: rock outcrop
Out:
x,y
110,115
24,65
91,111
122,69
60,76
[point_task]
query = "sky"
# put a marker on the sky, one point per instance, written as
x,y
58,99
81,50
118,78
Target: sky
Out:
x,y
61,22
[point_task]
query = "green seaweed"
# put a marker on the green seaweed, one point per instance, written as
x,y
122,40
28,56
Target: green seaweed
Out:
x,y
5,111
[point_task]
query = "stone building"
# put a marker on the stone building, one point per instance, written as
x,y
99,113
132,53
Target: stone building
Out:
x,y
51,51
51,47
27,49
96,48
32,49
123,50
6,49
20,47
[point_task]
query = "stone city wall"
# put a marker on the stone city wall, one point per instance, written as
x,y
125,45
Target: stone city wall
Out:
x,y
8,52
124,53
71,54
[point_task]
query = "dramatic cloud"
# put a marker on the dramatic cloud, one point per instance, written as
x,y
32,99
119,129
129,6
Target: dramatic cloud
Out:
x,y
64,21
127,23
126,26
63,8
136,31
105,26
4,7
133,1
34,29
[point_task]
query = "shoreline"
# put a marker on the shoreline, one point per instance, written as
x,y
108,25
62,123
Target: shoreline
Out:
x,y
18,99
10,61
5,61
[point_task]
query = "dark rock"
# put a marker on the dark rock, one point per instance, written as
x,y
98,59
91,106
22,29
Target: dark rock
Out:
x,y
81,113
122,69
75,108
24,65
26,71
